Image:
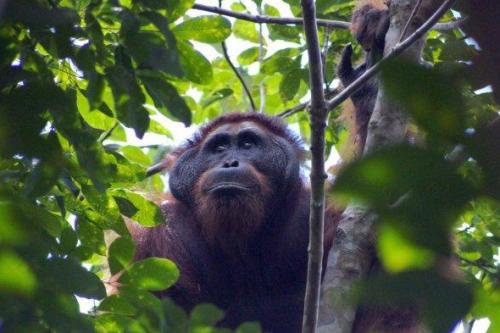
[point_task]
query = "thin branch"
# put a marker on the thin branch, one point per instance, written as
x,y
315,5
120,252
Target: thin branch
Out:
x,y
318,115
446,26
410,19
468,326
302,106
294,110
479,264
397,50
298,20
262,86
243,83
235,70
108,133
269,19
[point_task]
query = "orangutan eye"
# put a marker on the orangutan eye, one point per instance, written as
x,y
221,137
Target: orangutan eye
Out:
x,y
220,148
247,144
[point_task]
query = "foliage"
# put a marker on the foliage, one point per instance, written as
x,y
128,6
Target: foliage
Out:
x,y
78,77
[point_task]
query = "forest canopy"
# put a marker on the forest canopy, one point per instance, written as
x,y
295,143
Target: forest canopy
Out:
x,y
82,79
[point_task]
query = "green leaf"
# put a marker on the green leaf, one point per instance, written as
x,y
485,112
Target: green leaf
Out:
x,y
67,275
34,15
432,97
15,275
117,304
289,85
176,317
68,240
206,315
442,302
407,257
175,8
13,227
398,182
217,96
166,97
95,118
91,236
207,29
249,56
85,58
246,30
389,173
277,31
95,89
139,209
151,49
117,323
195,66
156,127
136,155
277,63
121,253
128,99
251,327
152,274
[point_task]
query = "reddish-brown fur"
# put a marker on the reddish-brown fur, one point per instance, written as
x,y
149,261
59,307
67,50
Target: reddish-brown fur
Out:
x,y
248,256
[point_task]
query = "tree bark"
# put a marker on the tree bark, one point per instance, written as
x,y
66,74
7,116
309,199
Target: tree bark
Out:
x,y
352,251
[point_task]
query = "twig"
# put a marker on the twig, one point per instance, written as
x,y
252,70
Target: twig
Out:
x,y
468,326
446,26
108,133
294,110
298,20
412,15
289,112
318,115
484,266
262,87
235,70
397,50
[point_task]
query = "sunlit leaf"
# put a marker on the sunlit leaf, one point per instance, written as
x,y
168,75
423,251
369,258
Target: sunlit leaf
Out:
x,y
152,274
246,30
117,304
121,253
195,66
15,274
207,29
138,208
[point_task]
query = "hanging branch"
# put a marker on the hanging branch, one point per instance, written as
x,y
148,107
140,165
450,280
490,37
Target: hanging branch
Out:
x,y
235,70
352,252
298,20
318,116
410,19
